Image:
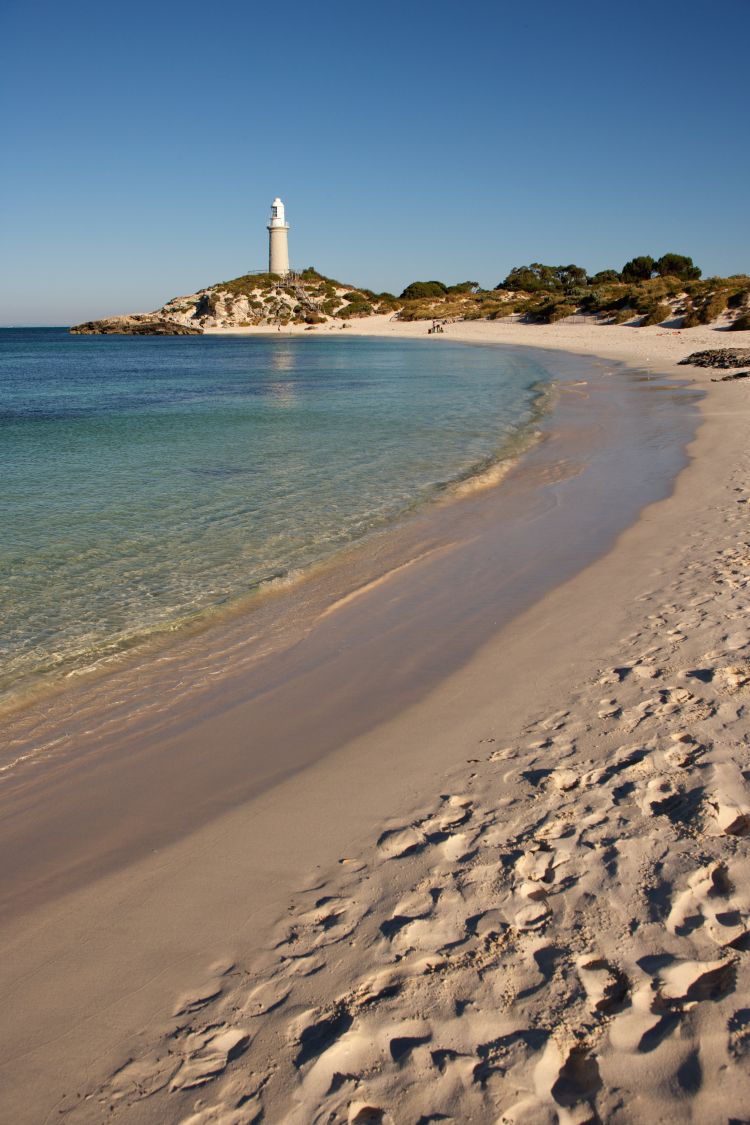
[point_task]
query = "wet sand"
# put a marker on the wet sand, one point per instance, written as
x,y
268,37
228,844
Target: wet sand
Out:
x,y
374,633
131,872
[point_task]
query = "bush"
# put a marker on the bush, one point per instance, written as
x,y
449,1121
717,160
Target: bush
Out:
x,y
558,312
387,303
605,299
638,269
622,315
739,300
547,312
604,277
677,265
538,278
355,308
508,308
712,307
418,290
691,318
464,287
656,314
741,324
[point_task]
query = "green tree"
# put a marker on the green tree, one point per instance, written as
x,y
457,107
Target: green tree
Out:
x,y
531,279
538,278
605,277
677,265
570,277
638,269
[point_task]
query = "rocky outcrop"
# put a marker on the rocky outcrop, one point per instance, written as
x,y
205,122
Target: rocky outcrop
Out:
x,y
719,357
258,299
135,326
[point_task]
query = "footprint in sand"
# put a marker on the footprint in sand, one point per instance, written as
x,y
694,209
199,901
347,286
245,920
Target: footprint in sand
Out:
x,y
395,843
209,1054
203,994
267,997
738,1028
605,985
709,901
729,800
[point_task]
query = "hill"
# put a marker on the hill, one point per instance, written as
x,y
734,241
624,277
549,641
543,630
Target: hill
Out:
x,y
646,291
255,299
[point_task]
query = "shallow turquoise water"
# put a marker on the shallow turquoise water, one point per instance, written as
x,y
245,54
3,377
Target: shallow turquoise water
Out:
x,y
146,481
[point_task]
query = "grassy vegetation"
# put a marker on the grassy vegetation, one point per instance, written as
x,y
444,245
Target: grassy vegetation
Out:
x,y
646,290
657,314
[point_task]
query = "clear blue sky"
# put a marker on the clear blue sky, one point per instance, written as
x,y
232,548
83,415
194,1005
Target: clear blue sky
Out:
x,y
143,143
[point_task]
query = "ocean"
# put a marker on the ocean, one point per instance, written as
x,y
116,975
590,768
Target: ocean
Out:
x,y
151,483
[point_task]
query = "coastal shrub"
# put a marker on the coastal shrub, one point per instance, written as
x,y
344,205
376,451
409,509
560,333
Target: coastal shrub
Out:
x,y
537,278
418,290
620,316
698,289
388,303
690,319
739,300
604,277
547,312
597,300
576,295
463,287
355,308
530,279
248,282
638,269
311,274
741,323
712,307
656,315
677,265
645,297
559,311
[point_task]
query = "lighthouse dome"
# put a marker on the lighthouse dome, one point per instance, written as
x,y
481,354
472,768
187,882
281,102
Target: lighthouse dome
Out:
x,y
277,212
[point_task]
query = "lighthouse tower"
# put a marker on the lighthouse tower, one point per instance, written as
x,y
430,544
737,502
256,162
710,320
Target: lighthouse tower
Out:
x,y
278,240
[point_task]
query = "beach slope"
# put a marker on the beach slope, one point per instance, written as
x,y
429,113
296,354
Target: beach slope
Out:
x,y
524,898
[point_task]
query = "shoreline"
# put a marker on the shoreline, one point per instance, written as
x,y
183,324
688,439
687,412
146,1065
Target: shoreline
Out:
x,y
37,690
564,630
389,603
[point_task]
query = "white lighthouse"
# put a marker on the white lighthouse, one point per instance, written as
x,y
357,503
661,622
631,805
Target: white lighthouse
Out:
x,y
278,240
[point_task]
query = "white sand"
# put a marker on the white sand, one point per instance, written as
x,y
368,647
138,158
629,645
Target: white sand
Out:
x,y
554,927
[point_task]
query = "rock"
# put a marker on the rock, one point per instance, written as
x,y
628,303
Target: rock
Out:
x,y
134,326
719,357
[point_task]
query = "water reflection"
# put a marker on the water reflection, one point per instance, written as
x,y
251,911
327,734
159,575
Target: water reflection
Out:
x,y
282,359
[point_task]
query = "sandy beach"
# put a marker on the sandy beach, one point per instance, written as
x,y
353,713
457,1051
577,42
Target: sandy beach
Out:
x,y
517,893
